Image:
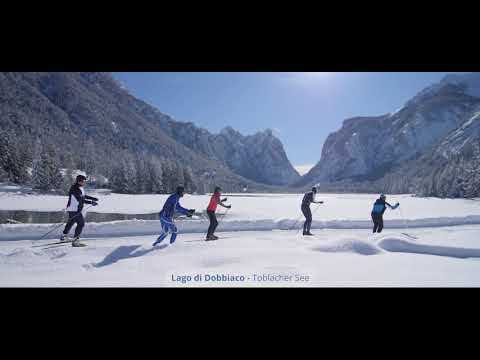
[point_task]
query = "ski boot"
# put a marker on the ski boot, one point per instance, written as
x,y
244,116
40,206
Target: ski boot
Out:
x,y
211,238
308,233
64,238
158,241
76,242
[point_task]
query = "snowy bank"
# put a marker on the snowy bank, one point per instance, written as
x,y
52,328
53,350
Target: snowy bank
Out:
x,y
152,227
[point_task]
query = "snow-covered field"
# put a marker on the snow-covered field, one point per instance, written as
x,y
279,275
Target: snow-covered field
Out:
x,y
256,247
440,257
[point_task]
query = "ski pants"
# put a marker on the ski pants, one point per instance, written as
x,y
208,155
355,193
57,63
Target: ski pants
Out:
x,y
168,227
308,218
377,222
74,217
213,222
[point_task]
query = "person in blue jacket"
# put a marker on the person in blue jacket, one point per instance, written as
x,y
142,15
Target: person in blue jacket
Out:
x,y
377,213
170,207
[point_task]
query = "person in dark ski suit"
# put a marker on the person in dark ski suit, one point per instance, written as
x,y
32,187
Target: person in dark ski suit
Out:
x,y
170,207
379,208
212,207
308,198
76,201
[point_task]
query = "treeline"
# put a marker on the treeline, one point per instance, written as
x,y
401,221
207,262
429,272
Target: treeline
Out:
x,y
46,168
146,175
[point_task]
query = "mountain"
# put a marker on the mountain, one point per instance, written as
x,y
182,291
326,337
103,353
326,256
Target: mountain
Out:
x,y
259,157
89,121
429,147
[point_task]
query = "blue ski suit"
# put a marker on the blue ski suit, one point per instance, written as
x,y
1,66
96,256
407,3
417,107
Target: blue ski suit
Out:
x,y
166,218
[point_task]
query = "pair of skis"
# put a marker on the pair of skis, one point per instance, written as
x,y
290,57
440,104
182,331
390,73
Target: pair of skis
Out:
x,y
58,243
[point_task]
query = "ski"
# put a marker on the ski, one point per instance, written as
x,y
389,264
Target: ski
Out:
x,y
69,241
410,236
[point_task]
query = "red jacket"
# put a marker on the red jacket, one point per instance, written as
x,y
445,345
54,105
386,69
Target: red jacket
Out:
x,y
214,200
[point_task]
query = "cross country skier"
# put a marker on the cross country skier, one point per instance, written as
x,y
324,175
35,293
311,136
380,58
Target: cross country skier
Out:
x,y
377,213
308,198
76,200
212,207
171,206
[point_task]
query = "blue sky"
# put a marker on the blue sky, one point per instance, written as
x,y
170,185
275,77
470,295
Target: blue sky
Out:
x,y
302,108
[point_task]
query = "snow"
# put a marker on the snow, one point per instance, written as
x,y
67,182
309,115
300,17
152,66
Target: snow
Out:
x,y
303,169
441,257
258,206
427,242
199,225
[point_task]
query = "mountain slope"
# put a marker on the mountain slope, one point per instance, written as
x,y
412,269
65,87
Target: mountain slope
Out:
x,y
88,117
399,152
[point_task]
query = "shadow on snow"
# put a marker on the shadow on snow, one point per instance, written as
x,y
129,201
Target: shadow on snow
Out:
x,y
126,252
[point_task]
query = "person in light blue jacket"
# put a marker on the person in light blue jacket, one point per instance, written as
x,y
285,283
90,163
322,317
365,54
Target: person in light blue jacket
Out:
x,y
170,207
377,213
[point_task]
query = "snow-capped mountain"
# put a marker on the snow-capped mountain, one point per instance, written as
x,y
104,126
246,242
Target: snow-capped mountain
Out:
x,y
259,157
421,148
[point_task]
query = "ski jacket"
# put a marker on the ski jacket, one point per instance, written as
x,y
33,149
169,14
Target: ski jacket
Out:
x,y
308,198
77,198
380,206
214,201
171,206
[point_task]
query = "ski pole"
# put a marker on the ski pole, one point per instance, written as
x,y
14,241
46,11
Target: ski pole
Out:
x,y
55,226
225,214
295,224
318,207
62,224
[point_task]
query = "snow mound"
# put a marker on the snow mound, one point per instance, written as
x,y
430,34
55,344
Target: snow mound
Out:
x,y
349,245
393,244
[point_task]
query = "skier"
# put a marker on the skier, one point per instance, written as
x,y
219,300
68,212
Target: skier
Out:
x,y
166,215
212,207
308,198
377,213
76,200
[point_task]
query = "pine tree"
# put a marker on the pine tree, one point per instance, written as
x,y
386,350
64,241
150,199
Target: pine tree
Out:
x,y
188,179
123,179
118,180
154,177
142,176
178,175
167,176
13,159
46,173
88,160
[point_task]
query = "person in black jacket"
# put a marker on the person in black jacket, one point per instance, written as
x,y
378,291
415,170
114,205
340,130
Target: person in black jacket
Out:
x,y
308,198
76,201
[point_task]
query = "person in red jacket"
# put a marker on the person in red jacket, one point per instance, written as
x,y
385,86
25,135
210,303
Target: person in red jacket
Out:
x,y
212,207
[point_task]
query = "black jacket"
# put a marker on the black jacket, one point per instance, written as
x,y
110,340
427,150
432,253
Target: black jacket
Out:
x,y
307,199
77,198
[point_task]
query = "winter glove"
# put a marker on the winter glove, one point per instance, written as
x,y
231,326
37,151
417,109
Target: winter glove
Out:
x,y
190,212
